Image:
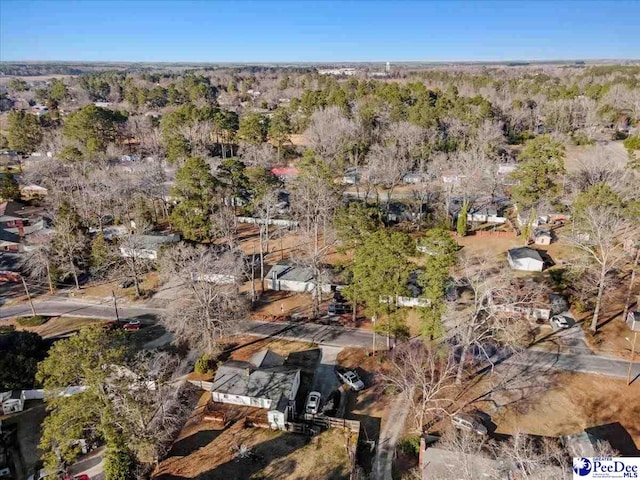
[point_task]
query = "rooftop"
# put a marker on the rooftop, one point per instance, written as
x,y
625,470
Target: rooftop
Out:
x,y
523,253
244,378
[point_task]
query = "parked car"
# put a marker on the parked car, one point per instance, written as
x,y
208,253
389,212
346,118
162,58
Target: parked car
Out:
x,y
133,325
560,322
42,474
338,308
126,283
112,325
464,421
313,403
350,378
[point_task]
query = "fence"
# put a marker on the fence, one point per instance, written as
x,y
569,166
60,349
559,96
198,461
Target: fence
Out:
x,y
208,386
279,222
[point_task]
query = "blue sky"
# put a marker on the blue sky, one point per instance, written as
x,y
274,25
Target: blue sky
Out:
x,y
306,30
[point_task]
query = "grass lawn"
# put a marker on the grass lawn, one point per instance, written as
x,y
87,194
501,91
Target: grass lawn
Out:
x,y
56,326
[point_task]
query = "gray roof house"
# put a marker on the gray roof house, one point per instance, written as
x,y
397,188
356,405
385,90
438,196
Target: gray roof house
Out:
x,y
263,383
525,259
633,321
296,278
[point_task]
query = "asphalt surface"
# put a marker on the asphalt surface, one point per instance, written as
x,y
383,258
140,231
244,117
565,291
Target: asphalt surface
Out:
x,y
78,308
326,335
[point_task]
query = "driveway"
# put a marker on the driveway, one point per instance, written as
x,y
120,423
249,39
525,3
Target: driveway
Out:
x,y
325,380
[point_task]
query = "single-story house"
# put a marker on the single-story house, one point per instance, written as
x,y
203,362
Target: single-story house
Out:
x,y
507,168
151,245
542,236
581,444
9,158
9,242
633,321
33,191
415,177
525,259
12,402
295,278
352,176
285,173
485,215
438,463
441,464
452,177
264,382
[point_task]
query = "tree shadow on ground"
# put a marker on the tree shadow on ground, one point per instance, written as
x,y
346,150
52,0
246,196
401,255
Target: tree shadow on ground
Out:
x,y
261,456
617,436
187,445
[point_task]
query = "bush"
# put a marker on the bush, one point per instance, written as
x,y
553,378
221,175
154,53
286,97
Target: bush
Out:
x,y
581,138
31,321
4,329
632,143
202,364
118,464
410,445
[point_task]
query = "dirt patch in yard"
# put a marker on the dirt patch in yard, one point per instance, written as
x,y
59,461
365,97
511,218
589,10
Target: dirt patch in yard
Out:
x,y
245,346
205,454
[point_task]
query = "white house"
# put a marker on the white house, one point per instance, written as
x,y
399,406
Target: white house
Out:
x,y
294,278
12,402
150,246
264,383
633,321
525,259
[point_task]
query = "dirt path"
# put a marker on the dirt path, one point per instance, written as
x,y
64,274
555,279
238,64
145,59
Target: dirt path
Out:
x,y
389,436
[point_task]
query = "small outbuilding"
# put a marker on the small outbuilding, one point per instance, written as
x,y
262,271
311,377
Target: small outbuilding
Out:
x,y
542,237
525,259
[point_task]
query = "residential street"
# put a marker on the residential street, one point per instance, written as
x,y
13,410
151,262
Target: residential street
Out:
x,y
325,335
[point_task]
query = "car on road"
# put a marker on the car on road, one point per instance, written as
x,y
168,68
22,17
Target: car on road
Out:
x,y
350,378
560,322
133,325
313,403
470,423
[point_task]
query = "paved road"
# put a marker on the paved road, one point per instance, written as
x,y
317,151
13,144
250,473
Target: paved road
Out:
x,y
78,308
321,334
332,336
579,363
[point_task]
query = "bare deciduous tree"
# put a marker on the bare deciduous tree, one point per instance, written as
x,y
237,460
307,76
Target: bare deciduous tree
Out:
x,y
597,235
211,306
425,375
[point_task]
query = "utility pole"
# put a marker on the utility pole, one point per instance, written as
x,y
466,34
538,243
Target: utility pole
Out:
x,y
373,320
633,352
115,304
26,289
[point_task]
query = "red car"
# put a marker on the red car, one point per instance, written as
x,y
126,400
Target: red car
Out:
x,y
133,325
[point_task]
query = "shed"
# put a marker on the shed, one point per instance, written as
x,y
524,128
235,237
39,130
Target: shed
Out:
x,y
542,236
525,259
633,321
